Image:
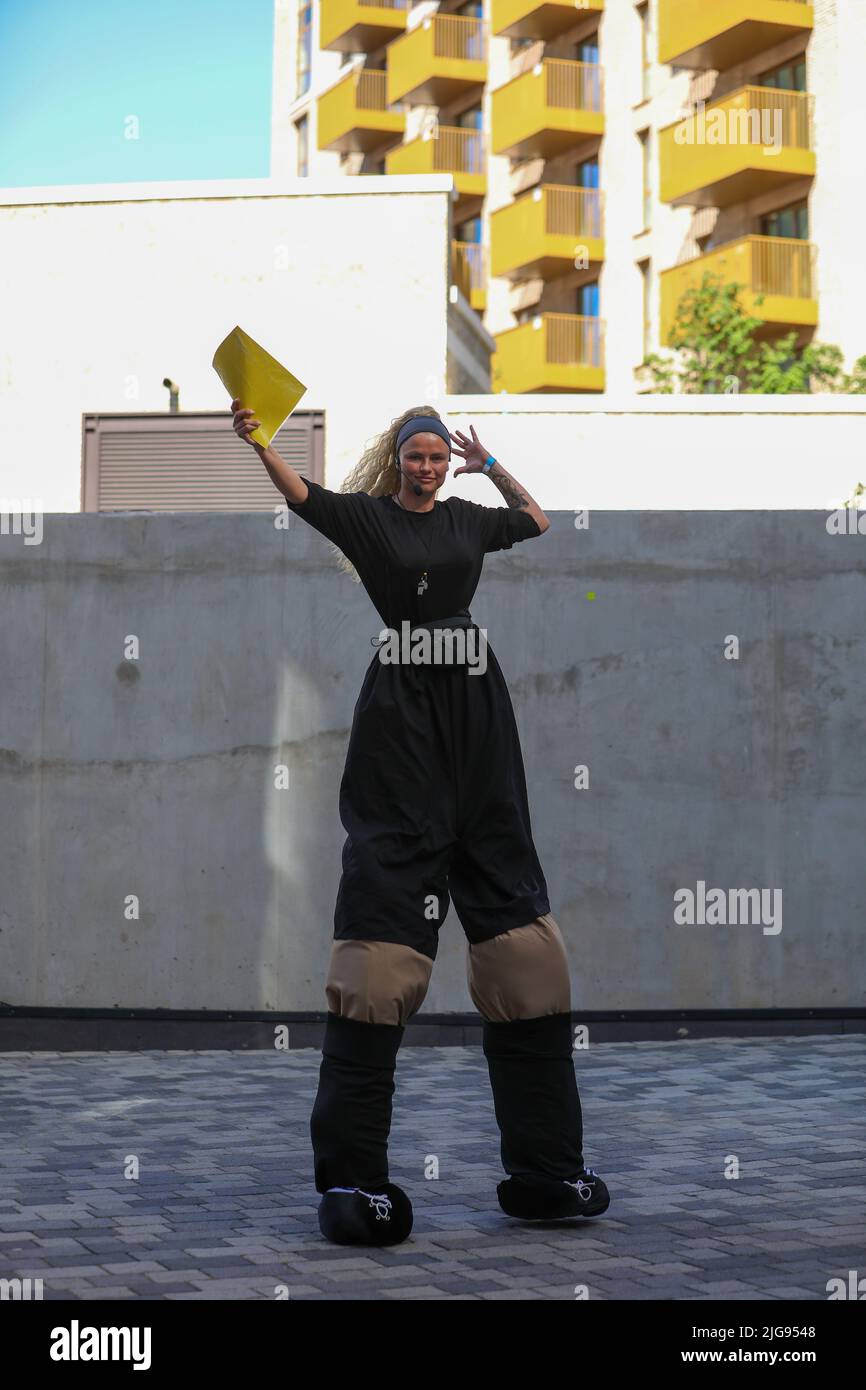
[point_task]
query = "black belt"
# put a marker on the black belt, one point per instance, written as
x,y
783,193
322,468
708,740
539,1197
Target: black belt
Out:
x,y
458,620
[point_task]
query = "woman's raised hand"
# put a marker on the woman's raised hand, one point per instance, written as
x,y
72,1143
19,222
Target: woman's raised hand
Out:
x,y
243,426
472,450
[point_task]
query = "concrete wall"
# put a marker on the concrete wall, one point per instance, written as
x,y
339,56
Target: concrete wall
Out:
x,y
155,777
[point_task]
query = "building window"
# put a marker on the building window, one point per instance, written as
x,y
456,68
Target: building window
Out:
x,y
790,77
587,50
469,231
643,15
302,132
472,43
305,46
471,147
586,173
645,268
473,119
792,221
587,300
590,77
646,162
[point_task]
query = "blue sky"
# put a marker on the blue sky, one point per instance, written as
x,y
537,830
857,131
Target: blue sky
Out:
x,y
195,73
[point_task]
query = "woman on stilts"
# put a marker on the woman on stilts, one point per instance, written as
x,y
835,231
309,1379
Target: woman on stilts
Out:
x,y
433,800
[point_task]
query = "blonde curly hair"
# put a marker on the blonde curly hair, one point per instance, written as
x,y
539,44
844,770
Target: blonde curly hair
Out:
x,y
376,471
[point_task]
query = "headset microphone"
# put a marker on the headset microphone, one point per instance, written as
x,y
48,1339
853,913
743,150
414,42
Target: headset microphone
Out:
x,y
416,487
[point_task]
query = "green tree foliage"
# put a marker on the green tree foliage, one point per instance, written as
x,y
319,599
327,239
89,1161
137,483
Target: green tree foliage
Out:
x,y
715,349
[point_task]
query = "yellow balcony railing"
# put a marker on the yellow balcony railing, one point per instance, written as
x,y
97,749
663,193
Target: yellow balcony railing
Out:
x,y
361,26
539,19
354,115
781,269
750,142
549,232
552,352
720,33
445,150
469,271
547,110
442,58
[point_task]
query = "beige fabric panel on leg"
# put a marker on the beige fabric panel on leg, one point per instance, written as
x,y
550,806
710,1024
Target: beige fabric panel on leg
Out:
x,y
376,981
521,974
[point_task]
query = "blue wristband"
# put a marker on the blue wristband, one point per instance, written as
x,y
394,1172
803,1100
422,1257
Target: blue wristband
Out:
x,y
488,463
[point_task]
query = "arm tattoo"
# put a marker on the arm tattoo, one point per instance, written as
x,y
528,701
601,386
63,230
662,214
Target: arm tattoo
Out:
x,y
511,492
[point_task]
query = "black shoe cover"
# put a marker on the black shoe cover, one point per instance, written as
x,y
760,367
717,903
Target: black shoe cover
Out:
x,y
551,1199
353,1216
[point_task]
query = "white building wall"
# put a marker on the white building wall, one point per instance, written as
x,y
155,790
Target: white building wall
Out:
x,y
106,291
627,241
837,55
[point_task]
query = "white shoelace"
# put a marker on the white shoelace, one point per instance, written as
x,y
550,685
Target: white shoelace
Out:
x,y
580,1185
380,1200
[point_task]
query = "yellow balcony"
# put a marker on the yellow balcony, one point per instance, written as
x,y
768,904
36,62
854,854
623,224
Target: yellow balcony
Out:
x,y
547,110
720,33
552,230
354,115
779,268
553,352
751,142
539,19
469,272
347,26
446,150
442,58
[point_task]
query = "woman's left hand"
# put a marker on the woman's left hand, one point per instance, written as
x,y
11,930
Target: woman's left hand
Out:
x,y
472,450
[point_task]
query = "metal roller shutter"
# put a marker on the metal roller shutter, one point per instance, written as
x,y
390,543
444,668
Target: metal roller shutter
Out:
x,y
190,461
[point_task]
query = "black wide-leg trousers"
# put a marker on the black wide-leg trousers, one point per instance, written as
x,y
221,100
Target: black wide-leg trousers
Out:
x,y
434,802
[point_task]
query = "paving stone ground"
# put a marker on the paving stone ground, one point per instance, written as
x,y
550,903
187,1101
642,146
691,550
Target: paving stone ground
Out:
x,y
224,1204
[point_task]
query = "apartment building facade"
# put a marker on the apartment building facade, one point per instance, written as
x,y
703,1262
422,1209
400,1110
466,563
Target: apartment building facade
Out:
x,y
604,154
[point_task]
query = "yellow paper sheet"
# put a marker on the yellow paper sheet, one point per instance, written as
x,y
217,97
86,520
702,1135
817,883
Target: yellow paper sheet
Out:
x,y
256,379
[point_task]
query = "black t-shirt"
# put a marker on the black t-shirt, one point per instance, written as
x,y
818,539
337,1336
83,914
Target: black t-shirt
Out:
x,y
397,553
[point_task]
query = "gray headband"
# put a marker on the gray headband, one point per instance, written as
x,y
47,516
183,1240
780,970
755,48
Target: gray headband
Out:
x,y
421,424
